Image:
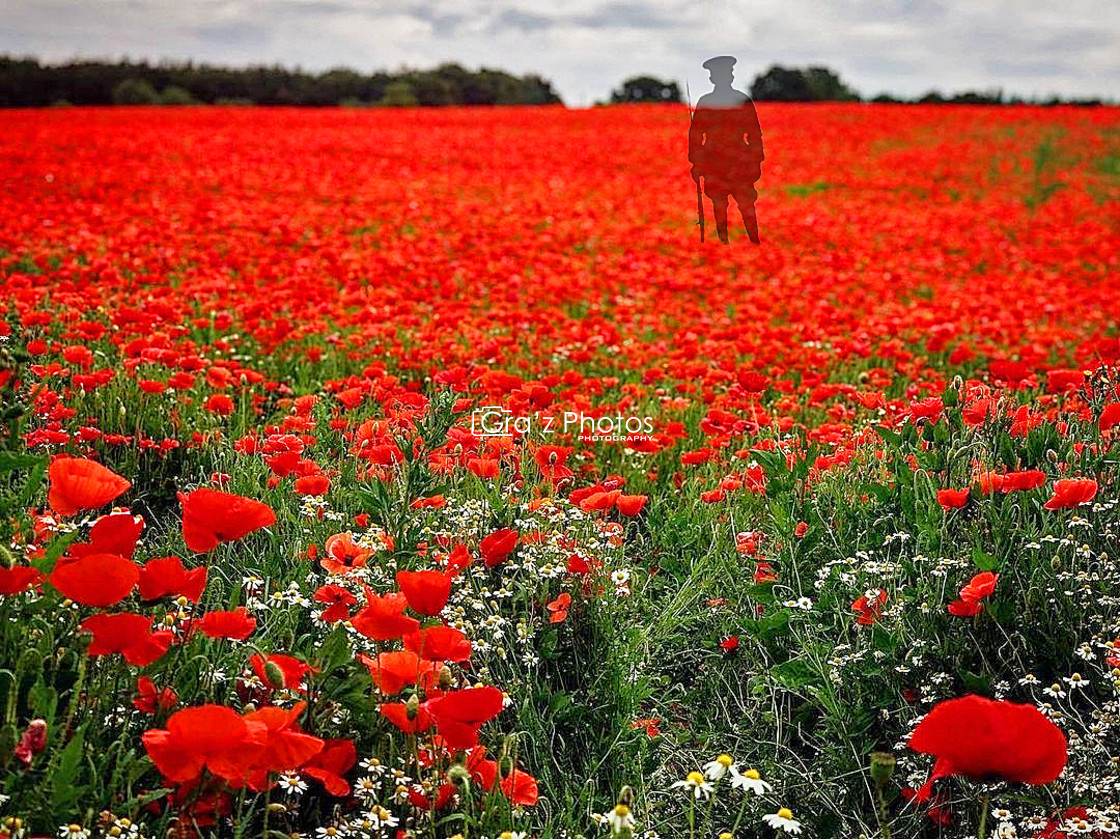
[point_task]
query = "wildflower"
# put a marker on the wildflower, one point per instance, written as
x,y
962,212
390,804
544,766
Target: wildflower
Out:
x,y
460,714
783,820
211,517
96,580
497,547
695,783
73,831
426,591
716,769
620,819
80,484
1071,492
292,783
749,781
984,738
166,575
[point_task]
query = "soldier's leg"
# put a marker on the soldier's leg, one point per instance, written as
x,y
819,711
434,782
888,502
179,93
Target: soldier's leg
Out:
x,y
719,211
745,198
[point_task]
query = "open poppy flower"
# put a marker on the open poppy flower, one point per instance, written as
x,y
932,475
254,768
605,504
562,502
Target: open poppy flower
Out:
x,y
79,484
438,643
165,576
285,746
149,699
558,608
211,517
210,737
520,788
988,740
383,618
1072,492
18,578
870,609
96,580
338,601
292,670
115,533
397,714
236,625
343,554
497,546
329,765
952,499
426,591
393,671
149,649
459,714
115,633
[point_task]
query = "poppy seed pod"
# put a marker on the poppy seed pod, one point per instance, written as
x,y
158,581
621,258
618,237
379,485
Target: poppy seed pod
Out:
x,y
412,707
445,678
459,775
882,768
274,673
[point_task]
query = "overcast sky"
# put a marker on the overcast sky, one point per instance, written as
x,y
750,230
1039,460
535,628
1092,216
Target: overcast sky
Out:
x,y
586,47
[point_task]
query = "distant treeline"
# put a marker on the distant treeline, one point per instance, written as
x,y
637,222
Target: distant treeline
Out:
x,y
24,82
820,84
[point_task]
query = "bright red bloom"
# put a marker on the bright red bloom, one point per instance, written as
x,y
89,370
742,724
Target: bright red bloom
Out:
x,y
394,671
97,579
497,547
114,533
980,586
18,578
236,625
426,591
988,740
730,643
397,714
459,714
292,670
631,505
149,700
439,643
115,633
343,554
520,788
1072,492
383,618
952,499
80,484
869,609
1024,479
211,517
313,485
284,745
559,608
210,737
328,766
1110,417
338,601
165,576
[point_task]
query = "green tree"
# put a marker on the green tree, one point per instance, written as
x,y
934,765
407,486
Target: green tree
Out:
x,y
133,91
646,89
175,95
399,93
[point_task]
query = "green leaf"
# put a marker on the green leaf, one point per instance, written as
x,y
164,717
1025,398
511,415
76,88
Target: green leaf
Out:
x,y
985,561
66,772
795,673
57,548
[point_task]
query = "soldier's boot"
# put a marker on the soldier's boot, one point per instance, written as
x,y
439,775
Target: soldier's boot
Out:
x,y
750,221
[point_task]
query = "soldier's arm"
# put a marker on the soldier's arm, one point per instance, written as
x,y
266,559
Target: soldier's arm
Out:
x,y
695,137
753,131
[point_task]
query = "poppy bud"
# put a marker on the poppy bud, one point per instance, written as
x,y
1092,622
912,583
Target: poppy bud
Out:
x,y
274,673
882,768
249,708
459,775
445,678
505,766
626,796
1052,456
6,558
9,736
412,707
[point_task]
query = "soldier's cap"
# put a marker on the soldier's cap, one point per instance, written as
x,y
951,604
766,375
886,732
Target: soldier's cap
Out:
x,y
720,62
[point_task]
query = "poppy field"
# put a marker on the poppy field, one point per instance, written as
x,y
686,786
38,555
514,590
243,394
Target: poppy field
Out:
x,y
419,473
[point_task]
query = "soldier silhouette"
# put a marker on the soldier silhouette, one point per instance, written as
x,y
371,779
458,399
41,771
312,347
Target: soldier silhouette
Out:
x,y
718,152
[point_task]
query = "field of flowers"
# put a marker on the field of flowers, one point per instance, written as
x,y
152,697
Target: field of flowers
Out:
x,y
418,473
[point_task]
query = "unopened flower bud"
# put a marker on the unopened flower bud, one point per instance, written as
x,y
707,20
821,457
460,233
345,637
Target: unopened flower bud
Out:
x,y
274,674
882,767
505,766
445,678
412,707
459,775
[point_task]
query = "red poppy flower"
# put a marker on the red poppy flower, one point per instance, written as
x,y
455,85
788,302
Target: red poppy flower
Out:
x,y
1072,492
459,714
631,505
115,533
497,547
236,625
439,643
210,737
115,633
980,586
1024,479
96,580
730,643
559,608
952,499
211,517
18,578
338,601
292,670
870,609
313,485
397,714
285,746
383,619
343,554
1110,417
393,671
426,591
149,699
328,767
80,484
165,576
986,740
520,788
149,649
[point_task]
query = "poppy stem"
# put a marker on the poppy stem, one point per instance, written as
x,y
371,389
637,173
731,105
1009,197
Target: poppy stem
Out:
x,y
884,824
983,829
